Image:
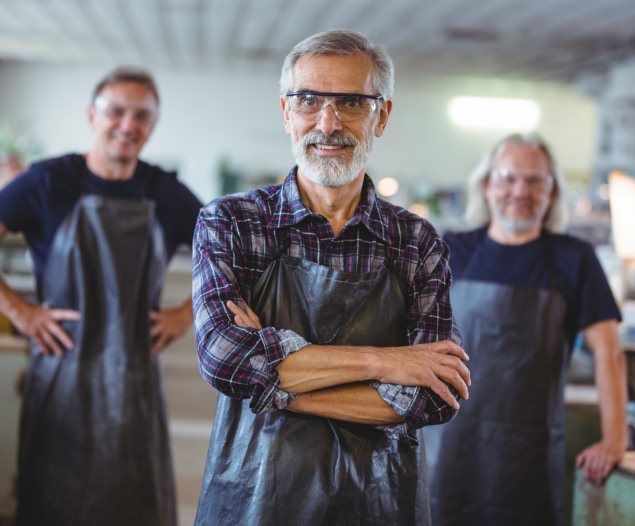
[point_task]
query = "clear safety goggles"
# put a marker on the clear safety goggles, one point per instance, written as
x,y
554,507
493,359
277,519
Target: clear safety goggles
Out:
x,y
346,106
505,178
117,109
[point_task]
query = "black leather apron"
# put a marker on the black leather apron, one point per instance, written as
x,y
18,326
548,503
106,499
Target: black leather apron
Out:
x,y
501,460
283,468
94,445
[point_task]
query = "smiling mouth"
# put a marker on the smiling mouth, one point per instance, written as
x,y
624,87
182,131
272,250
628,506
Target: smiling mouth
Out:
x,y
327,146
125,140
327,149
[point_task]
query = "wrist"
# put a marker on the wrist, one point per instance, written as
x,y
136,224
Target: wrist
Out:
x,y
13,307
373,363
617,442
186,310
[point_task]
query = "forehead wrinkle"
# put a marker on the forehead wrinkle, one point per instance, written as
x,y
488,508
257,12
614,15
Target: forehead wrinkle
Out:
x,y
333,73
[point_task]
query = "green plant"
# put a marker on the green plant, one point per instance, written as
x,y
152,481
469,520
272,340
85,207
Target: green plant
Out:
x,y
17,142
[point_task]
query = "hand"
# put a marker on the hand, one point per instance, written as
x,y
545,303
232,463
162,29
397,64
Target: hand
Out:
x,y
599,459
243,315
168,325
430,365
42,325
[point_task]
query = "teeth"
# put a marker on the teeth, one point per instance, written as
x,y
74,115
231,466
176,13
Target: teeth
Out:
x,y
328,146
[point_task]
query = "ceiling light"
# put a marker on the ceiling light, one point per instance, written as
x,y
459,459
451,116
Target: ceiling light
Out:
x,y
388,186
493,112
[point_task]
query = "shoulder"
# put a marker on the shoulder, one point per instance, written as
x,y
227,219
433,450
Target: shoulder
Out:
x,y
257,205
576,259
159,181
42,193
464,243
62,163
165,186
62,167
469,238
588,292
57,176
403,225
569,247
156,171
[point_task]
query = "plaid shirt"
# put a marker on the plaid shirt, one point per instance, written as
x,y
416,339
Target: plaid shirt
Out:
x,y
235,241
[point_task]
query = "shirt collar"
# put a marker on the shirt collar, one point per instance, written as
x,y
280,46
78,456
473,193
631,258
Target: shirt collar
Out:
x,y
291,210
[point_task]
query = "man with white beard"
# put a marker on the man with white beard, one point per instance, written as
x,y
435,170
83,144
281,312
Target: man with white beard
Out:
x,y
522,291
350,348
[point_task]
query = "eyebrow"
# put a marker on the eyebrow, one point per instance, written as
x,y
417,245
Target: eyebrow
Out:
x,y
331,94
123,102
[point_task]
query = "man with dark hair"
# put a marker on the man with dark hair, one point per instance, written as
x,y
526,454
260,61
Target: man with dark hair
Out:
x,y
127,75
326,384
101,227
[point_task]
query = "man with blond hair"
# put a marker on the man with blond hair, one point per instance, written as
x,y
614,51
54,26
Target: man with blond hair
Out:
x,y
521,293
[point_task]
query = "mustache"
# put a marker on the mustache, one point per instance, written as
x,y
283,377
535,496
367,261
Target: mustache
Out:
x,y
337,138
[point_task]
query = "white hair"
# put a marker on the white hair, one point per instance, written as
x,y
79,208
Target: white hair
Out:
x,y
342,42
477,211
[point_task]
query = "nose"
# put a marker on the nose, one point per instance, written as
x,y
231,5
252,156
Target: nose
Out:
x,y
128,121
521,187
328,121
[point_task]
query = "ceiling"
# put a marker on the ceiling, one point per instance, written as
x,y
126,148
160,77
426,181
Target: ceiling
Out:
x,y
548,39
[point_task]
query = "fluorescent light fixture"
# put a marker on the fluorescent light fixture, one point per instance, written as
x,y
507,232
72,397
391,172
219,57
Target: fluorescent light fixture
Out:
x,y
494,113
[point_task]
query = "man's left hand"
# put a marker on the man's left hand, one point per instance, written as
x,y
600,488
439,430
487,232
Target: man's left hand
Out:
x,y
598,460
243,315
168,325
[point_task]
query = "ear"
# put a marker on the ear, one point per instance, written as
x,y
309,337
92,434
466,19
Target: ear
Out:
x,y
384,113
552,198
285,115
90,113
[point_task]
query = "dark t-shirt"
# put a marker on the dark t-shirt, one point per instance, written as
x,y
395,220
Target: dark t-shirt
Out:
x,y
38,201
553,261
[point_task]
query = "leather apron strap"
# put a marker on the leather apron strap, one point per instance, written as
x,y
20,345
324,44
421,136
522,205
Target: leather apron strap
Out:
x,y
284,468
501,460
94,439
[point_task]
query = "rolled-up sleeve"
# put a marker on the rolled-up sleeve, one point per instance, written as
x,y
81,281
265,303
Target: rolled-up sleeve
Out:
x,y
429,320
239,362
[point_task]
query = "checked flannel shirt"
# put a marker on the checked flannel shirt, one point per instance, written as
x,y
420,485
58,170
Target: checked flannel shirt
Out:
x,y
235,241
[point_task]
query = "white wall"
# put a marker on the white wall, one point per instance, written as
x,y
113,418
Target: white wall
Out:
x,y
235,114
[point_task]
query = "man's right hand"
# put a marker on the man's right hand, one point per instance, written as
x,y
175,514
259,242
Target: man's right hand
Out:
x,y
430,365
39,323
42,325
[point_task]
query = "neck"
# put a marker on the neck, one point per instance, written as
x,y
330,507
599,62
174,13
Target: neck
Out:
x,y
336,203
507,237
108,169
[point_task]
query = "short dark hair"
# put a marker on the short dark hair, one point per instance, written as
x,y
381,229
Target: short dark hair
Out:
x,y
126,74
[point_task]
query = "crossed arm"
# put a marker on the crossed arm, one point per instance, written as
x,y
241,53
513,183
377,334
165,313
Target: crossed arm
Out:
x,y
278,369
329,378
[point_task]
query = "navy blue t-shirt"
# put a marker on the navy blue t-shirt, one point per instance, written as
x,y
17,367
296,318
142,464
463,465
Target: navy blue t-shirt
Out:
x,y
553,261
37,202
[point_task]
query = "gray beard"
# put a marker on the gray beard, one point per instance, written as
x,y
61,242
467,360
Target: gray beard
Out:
x,y
517,226
331,171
